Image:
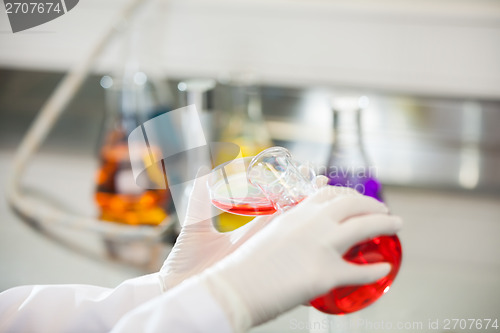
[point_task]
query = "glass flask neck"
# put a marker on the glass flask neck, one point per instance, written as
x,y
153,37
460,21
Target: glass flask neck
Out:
x,y
130,105
348,165
347,148
245,124
347,128
275,173
246,103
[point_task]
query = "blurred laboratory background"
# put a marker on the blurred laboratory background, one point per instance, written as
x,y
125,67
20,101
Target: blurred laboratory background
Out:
x,y
422,78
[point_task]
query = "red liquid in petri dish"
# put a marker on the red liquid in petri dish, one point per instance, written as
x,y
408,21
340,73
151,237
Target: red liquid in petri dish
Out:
x,y
345,299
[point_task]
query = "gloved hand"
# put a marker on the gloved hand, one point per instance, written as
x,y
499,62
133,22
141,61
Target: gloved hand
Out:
x,y
298,256
199,244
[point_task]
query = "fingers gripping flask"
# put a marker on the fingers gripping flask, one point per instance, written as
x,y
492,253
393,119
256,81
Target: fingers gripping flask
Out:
x,y
284,184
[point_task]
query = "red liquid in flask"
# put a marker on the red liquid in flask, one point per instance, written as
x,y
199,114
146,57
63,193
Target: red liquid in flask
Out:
x,y
349,299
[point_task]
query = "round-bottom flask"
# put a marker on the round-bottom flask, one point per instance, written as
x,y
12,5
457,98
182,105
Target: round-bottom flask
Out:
x,y
279,178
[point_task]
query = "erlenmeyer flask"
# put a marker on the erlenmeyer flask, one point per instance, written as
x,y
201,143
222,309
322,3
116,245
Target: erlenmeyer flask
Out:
x,y
348,163
245,127
130,102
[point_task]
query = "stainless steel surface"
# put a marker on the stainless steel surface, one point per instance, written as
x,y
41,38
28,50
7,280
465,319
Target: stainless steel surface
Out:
x,y
412,140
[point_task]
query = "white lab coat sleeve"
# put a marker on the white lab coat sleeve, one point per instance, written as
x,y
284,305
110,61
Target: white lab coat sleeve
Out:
x,y
187,308
73,308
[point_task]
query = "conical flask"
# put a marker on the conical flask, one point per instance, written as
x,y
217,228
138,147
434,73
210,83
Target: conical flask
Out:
x,y
348,163
129,104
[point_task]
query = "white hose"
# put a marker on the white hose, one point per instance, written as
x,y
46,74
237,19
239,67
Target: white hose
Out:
x,y
41,212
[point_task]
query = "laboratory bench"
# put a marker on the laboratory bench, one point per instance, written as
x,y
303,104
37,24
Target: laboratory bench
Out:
x,y
451,254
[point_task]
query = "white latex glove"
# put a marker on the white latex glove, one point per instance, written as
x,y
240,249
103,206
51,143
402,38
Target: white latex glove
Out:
x,y
298,256
199,244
